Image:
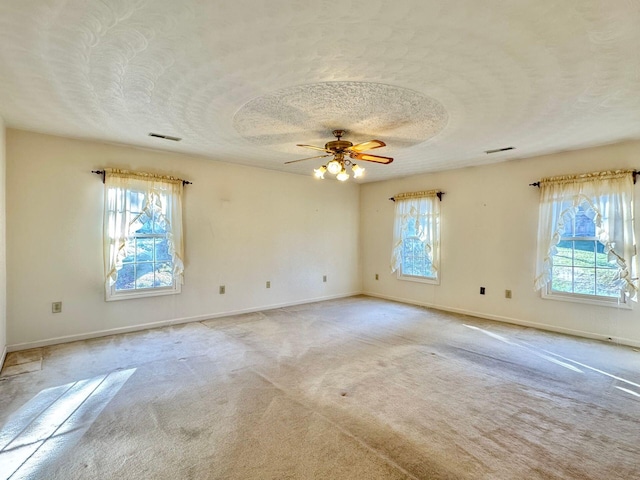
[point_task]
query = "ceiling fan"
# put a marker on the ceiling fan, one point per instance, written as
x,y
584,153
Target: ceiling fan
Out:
x,y
340,149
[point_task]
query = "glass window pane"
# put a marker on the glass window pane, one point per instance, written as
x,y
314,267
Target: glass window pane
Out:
x,y
568,220
144,275
584,281
143,224
584,253
606,284
144,250
125,279
584,226
159,222
415,261
162,250
562,279
129,251
136,202
564,254
601,258
163,275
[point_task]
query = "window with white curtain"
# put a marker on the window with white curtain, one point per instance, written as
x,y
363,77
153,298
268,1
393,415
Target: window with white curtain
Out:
x,y
143,245
586,244
416,236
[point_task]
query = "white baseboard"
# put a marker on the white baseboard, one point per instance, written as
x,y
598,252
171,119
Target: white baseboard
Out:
x,y
3,357
515,321
199,318
162,323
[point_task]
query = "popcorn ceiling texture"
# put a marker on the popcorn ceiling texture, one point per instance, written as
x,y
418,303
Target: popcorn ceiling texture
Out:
x,y
361,109
542,76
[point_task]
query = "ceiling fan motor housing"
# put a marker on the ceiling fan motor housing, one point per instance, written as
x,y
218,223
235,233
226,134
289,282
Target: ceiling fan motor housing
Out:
x,y
338,145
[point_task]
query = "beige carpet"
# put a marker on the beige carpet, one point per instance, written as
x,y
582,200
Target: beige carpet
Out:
x,y
358,388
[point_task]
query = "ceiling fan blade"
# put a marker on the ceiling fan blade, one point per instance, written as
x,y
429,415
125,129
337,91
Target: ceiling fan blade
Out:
x,y
314,148
370,145
371,158
308,158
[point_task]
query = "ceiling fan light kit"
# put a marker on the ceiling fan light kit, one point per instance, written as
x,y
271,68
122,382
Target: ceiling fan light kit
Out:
x,y
339,148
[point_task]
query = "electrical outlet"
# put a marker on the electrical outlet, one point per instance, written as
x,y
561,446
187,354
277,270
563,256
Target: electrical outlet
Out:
x,y
268,284
481,290
324,278
507,294
56,307
222,290
376,276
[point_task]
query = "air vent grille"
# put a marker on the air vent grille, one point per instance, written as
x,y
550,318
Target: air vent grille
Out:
x,y
497,150
166,137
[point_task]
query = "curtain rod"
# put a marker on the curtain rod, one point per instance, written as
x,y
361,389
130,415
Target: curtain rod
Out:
x,y
634,173
102,172
438,194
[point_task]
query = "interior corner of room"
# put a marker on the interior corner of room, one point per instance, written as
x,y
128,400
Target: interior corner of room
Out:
x,y
319,239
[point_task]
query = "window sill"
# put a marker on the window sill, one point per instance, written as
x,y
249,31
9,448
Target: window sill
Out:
x,y
414,278
151,292
587,299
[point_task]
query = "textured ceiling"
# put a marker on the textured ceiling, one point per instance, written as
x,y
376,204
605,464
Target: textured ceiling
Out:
x,y
244,81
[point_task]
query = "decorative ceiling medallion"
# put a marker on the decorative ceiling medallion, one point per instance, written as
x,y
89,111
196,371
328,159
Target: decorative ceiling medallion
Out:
x,y
307,113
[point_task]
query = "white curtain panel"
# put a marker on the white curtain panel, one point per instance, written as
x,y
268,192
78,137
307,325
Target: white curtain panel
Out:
x,y
119,223
422,208
609,196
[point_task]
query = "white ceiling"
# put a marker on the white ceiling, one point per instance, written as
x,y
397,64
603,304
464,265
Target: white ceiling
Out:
x,y
243,81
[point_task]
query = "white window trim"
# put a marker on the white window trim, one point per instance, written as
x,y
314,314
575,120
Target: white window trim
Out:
x,y
113,295
621,302
415,278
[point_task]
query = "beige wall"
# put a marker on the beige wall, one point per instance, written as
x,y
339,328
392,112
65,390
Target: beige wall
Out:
x,y
243,226
489,224
3,243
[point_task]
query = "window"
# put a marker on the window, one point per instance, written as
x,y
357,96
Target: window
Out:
x,y
580,263
586,246
143,235
416,240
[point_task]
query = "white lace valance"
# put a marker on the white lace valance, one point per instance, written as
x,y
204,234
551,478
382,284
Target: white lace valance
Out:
x,y
150,177
587,177
422,194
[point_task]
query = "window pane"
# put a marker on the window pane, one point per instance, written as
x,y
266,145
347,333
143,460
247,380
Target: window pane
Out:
x,y
414,259
601,258
144,250
564,255
159,222
144,275
584,281
143,224
606,284
129,251
163,275
584,226
162,250
562,279
125,279
136,202
584,253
